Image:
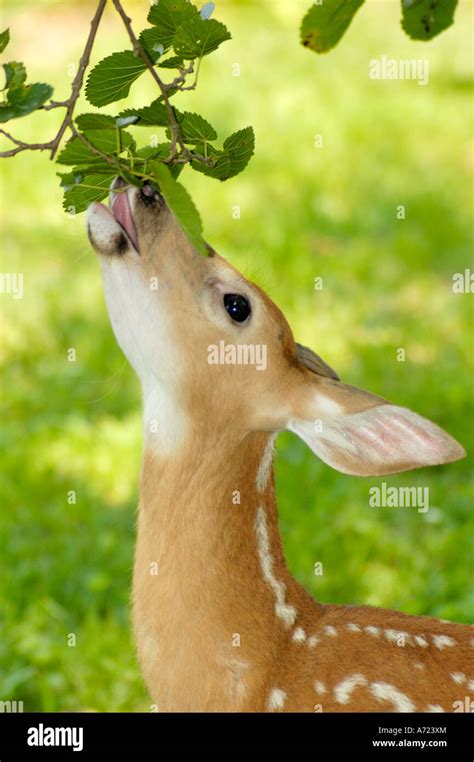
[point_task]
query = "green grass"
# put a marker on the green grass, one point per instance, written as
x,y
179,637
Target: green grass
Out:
x,y
305,212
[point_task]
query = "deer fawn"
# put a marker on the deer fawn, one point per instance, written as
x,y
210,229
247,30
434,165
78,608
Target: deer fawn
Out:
x,y
220,623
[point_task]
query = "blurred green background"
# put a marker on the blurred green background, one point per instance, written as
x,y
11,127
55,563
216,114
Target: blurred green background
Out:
x,y
306,212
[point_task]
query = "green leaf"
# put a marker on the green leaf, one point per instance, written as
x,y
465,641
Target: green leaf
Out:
x,y
110,80
76,152
4,40
197,38
168,15
236,153
23,99
181,204
15,74
424,19
95,122
150,40
154,114
94,187
194,128
160,151
324,25
77,174
174,62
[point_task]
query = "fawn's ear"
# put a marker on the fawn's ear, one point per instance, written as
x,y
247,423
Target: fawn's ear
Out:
x,y
361,434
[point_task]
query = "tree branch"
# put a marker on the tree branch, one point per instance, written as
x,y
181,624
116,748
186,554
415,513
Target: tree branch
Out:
x,y
69,104
176,138
21,146
185,154
175,132
92,147
79,78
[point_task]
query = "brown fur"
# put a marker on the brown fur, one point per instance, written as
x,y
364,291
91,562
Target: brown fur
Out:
x,y
210,587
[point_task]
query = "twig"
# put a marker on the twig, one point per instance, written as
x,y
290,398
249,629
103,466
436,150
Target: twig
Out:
x,y
79,78
183,73
69,104
176,138
185,155
91,146
54,104
21,146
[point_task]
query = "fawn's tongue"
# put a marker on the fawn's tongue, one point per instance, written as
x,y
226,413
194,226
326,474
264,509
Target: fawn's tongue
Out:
x,y
120,207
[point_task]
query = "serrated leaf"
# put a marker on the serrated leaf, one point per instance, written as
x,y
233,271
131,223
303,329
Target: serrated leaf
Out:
x,y
95,122
155,114
77,174
181,204
167,16
91,188
110,80
15,74
150,40
161,151
174,62
76,152
24,99
4,40
236,153
324,25
198,38
69,178
194,128
424,19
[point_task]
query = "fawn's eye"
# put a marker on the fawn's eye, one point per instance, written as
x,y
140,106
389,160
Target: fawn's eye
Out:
x,y
237,306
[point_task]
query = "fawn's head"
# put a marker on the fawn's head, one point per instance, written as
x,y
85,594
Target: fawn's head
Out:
x,y
212,347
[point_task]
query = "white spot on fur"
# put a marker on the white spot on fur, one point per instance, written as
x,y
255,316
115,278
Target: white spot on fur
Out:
x,y
330,631
458,677
420,641
276,700
397,636
319,687
434,708
265,467
299,635
353,627
470,685
343,690
283,610
419,665
371,630
387,692
237,686
313,641
443,641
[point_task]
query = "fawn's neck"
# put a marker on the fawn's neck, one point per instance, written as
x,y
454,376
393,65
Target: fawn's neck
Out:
x,y
211,589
